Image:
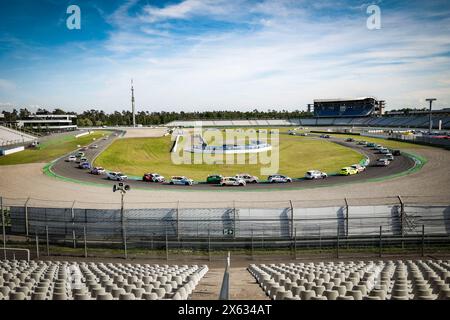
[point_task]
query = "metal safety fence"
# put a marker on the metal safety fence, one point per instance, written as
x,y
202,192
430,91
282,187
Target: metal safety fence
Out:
x,y
358,223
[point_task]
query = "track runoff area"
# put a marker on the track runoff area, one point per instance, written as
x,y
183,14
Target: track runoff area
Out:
x,y
401,164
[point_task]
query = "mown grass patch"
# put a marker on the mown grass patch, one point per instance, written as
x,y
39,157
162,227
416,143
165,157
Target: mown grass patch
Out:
x,y
51,149
135,156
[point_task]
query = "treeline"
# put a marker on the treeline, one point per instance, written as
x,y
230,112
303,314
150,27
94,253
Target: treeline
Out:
x,y
99,117
11,116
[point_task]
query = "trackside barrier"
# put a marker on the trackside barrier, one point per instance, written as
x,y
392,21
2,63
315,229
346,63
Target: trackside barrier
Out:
x,y
225,289
230,223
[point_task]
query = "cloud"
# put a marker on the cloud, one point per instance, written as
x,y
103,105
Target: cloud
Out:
x,y
200,54
7,85
187,9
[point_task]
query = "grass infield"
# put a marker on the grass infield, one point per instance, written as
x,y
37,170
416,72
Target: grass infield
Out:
x,y
136,156
51,149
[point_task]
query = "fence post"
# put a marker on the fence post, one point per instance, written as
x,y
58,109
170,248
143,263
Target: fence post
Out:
x,y
73,225
337,244
292,218
37,245
423,240
125,240
85,242
295,243
209,245
252,245
234,219
402,219
346,219
178,220
380,244
74,239
3,227
320,240
262,239
167,248
47,241
26,218
122,217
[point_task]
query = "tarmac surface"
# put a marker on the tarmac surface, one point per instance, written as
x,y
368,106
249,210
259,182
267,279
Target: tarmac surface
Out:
x,y
428,185
400,164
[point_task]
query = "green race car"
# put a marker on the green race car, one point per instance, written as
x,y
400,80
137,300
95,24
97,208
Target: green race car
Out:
x,y
214,179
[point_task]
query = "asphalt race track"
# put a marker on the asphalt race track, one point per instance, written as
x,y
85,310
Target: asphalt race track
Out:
x,y
400,164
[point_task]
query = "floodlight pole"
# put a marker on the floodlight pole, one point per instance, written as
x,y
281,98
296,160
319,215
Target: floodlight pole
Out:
x,y
430,100
124,240
123,189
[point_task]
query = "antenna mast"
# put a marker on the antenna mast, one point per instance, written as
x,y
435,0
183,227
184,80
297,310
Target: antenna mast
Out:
x,y
132,104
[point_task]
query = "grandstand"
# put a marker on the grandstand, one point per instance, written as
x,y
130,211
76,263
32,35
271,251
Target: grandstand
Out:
x,y
48,280
358,112
363,280
407,121
9,137
359,107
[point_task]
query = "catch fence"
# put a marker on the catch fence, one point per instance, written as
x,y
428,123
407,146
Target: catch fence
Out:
x,y
238,224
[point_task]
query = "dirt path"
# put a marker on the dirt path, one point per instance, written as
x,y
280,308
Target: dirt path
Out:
x,y
243,286
209,286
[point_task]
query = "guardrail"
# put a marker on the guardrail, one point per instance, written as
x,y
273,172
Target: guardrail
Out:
x,y
225,288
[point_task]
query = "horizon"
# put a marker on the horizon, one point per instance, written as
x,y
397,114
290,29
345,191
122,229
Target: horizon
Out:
x,y
200,55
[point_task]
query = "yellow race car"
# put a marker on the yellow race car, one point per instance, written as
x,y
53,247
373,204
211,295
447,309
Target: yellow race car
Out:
x,y
348,171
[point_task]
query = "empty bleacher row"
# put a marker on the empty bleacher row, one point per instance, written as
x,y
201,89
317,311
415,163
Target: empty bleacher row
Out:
x,y
393,121
48,280
362,280
10,137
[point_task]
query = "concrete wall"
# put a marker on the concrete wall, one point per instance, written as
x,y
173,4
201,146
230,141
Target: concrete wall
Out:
x,y
5,152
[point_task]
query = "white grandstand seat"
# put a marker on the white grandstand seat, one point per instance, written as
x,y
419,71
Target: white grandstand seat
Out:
x,y
380,280
85,281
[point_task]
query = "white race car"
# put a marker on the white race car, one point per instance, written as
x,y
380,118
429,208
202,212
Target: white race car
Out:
x,y
117,176
232,181
248,178
315,174
279,178
181,181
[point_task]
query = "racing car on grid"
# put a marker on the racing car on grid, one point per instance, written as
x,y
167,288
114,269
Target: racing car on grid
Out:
x,y
347,171
315,174
358,167
181,180
98,170
278,178
84,165
232,181
153,177
248,178
71,158
117,176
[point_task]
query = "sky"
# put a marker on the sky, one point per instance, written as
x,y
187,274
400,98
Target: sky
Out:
x,y
197,55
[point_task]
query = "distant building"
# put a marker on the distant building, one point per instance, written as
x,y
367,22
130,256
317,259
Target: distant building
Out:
x,y
358,107
48,122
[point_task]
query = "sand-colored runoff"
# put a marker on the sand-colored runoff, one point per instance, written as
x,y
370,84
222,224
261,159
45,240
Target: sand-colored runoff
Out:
x,y
145,132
